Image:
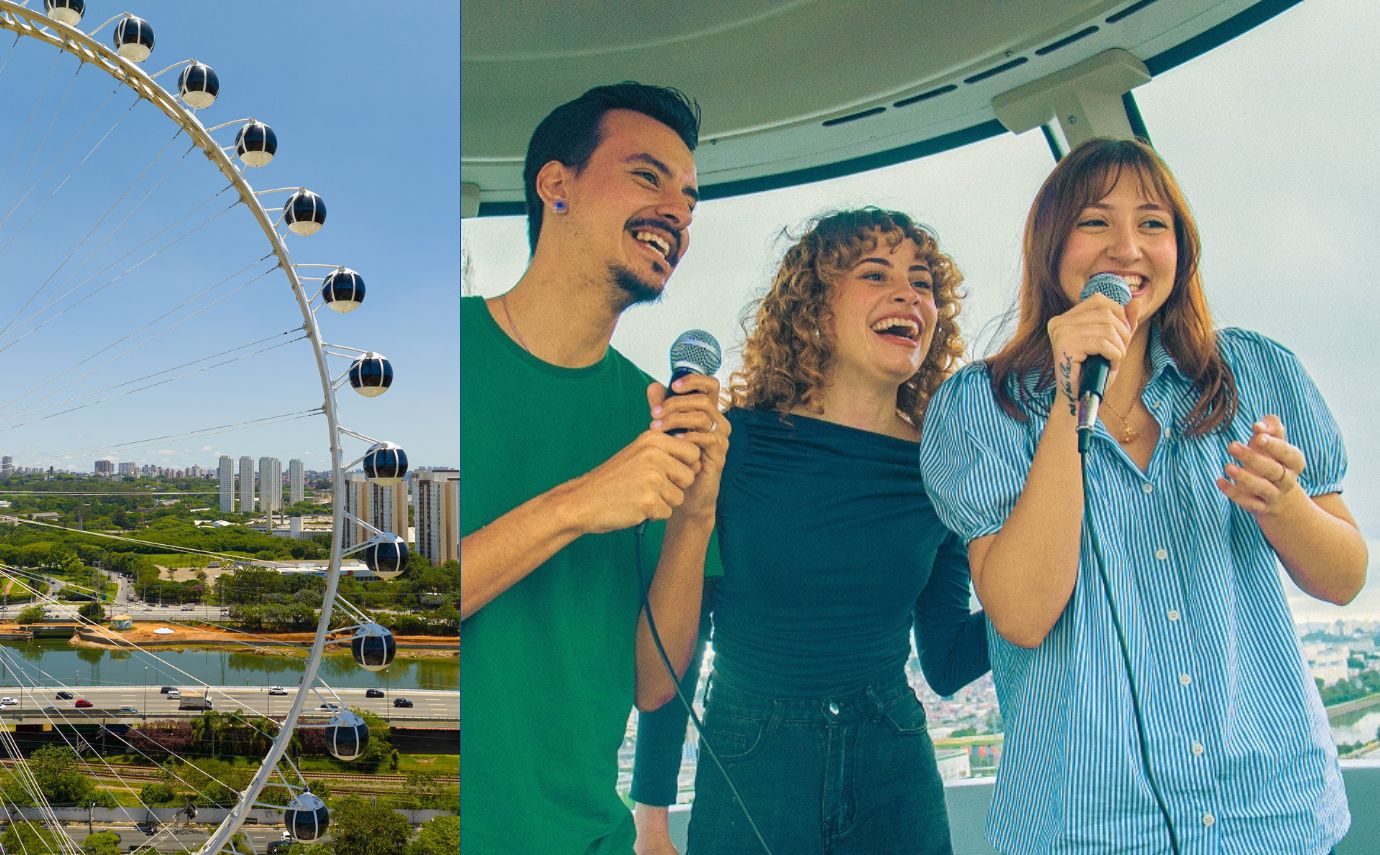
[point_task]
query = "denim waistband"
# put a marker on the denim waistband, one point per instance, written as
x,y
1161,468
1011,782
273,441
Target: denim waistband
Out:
x,y
856,704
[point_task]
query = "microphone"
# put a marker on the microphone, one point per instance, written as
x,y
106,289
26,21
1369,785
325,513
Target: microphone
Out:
x,y
1092,381
693,352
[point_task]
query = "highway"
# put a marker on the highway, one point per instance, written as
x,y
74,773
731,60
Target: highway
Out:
x,y
38,704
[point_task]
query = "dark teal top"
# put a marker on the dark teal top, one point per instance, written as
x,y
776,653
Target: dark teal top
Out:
x,y
831,552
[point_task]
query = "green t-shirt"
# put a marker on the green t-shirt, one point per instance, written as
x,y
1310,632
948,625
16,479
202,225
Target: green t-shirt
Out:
x,y
547,674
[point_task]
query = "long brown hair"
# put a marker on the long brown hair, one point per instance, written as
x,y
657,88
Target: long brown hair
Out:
x,y
1085,175
790,347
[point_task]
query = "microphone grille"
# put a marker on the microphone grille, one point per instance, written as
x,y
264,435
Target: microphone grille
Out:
x,y
697,351
1108,285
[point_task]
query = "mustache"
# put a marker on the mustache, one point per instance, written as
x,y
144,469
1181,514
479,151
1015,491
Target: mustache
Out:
x,y
662,225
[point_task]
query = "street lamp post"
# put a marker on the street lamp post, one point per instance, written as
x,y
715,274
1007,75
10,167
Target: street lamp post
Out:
x,y
146,694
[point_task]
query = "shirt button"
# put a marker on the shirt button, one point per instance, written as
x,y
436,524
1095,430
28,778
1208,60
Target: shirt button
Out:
x,y
1198,749
1167,433
833,708
1185,679
1147,488
1208,819
1155,406
1161,553
1173,614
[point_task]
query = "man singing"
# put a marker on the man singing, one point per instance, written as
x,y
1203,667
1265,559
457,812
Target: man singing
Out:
x,y
565,450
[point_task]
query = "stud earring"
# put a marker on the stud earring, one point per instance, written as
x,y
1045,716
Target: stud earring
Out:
x,y
559,206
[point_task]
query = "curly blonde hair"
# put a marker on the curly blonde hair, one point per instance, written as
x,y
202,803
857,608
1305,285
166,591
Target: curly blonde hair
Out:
x,y
790,346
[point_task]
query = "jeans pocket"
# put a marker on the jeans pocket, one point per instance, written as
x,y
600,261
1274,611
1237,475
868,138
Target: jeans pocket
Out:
x,y
906,715
734,737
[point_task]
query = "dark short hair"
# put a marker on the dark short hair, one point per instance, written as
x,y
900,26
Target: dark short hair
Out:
x,y
571,132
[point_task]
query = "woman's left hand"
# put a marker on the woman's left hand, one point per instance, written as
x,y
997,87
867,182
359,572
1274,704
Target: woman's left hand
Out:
x,y
1267,469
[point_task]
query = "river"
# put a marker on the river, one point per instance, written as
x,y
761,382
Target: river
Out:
x,y
50,662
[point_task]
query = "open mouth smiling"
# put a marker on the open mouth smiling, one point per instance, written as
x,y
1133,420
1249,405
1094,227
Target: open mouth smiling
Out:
x,y
897,327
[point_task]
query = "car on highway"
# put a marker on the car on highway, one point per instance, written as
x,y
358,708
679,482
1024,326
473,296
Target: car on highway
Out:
x,y
8,702
330,706
83,702
167,689
277,690
277,847
373,693
128,711
401,702
174,694
189,607
64,696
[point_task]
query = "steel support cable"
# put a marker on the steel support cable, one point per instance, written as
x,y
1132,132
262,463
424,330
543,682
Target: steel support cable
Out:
x,y
89,293
268,646
127,392
68,177
153,740
92,254
48,132
28,122
282,417
134,182
168,546
53,682
195,228
89,767
194,298
60,157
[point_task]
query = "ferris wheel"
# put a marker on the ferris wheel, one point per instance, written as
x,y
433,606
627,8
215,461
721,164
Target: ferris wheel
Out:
x,y
118,48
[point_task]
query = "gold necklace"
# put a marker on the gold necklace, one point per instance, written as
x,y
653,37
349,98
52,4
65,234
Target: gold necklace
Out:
x,y
1128,433
509,315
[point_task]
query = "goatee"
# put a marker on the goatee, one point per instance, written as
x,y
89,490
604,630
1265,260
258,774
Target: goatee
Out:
x,y
633,289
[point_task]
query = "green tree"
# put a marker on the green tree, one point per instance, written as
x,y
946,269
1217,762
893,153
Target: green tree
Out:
x,y
32,614
29,837
380,747
101,843
438,836
361,828
58,772
93,612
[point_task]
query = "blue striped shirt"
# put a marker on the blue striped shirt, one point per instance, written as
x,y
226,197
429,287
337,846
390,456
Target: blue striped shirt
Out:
x,y
1239,742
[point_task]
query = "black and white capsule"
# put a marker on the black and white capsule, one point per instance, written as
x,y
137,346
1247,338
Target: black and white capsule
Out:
x,y
385,464
343,290
67,12
306,817
371,375
198,86
133,39
256,144
304,213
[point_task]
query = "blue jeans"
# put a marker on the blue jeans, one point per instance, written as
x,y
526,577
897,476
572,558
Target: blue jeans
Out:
x,y
847,774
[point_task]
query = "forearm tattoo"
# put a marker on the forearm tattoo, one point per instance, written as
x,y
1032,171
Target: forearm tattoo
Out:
x,y
1066,383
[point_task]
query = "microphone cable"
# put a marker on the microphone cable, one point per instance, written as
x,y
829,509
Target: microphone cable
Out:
x,y
675,681
1125,653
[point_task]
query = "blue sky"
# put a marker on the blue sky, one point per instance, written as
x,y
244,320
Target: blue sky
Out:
x,y
1271,136
366,115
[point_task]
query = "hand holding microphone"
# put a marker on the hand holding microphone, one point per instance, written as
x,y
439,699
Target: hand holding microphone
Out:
x,y
688,408
664,469
1090,338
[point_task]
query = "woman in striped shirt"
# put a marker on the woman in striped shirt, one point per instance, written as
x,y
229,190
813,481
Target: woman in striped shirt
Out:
x,y
1214,457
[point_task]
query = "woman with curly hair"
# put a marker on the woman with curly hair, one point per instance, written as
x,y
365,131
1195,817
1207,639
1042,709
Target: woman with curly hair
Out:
x,y
831,554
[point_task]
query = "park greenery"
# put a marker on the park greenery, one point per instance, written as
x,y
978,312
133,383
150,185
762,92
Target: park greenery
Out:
x,y
84,538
